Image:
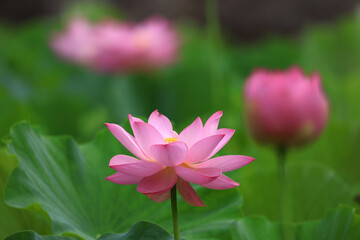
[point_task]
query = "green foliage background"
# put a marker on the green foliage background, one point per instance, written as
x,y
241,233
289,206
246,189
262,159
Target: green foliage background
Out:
x,y
54,185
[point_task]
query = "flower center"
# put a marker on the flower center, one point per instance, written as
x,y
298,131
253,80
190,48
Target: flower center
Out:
x,y
170,140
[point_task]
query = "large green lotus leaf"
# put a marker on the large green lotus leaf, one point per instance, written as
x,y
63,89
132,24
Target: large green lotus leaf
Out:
x,y
312,190
337,148
31,235
257,228
12,219
67,181
214,230
139,231
339,224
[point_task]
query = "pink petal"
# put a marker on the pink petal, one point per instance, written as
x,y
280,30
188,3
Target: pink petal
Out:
x,y
121,178
226,163
132,120
188,193
192,133
159,197
171,154
202,149
132,166
161,123
146,136
126,139
228,135
161,181
174,134
222,182
212,124
198,175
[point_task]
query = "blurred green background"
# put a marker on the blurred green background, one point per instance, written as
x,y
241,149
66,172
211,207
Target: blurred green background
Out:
x,y
65,99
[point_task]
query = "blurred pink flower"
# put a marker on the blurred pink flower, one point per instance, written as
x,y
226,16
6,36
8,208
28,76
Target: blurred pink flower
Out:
x,y
285,107
165,158
76,43
111,46
114,47
155,42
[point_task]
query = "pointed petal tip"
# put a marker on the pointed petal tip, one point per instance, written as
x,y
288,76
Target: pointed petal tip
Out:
x,y
188,193
198,205
156,111
130,116
222,182
233,183
159,197
249,159
198,119
220,113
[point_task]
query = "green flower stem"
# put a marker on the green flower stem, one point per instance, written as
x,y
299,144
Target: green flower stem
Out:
x,y
282,152
284,208
175,214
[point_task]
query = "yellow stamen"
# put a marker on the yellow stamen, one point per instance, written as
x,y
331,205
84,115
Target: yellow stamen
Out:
x,y
170,140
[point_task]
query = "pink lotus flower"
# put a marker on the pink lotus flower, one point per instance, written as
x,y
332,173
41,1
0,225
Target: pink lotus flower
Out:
x,y
285,107
165,158
111,46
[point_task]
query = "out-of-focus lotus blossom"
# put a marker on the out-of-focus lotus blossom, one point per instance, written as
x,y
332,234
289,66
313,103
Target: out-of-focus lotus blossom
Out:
x,y
156,44
165,158
76,43
111,46
285,108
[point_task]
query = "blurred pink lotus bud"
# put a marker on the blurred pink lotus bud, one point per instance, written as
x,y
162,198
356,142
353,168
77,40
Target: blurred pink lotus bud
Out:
x,y
285,108
111,46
